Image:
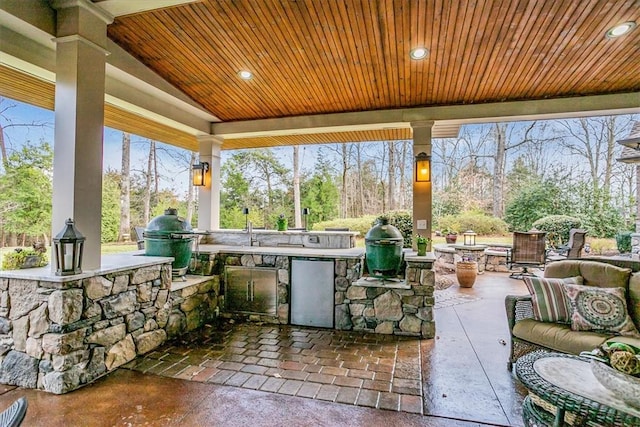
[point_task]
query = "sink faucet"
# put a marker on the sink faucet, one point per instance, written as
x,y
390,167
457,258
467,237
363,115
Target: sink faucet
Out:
x,y
252,239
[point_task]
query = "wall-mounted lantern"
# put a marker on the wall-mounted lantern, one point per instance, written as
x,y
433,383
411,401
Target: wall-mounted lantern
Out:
x,y
200,171
68,246
469,238
423,168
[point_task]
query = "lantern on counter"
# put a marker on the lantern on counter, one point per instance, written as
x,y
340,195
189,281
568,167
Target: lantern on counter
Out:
x,y
469,238
68,246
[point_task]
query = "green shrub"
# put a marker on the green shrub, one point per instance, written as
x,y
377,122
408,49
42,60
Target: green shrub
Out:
x,y
557,228
361,225
623,242
403,221
14,260
479,222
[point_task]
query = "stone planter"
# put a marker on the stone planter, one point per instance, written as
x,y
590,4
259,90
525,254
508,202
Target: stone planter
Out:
x,y
466,273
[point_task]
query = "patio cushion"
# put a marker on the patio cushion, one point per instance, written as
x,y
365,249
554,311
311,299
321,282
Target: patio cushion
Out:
x,y
599,309
594,273
557,336
550,303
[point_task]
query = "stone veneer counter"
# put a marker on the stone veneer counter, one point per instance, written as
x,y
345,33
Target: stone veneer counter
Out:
x,y
58,333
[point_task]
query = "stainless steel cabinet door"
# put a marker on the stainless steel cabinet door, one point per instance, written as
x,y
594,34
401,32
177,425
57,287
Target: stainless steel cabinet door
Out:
x,y
237,288
251,290
312,295
263,291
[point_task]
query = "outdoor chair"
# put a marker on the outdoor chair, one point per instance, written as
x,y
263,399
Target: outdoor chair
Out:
x,y
528,251
139,236
573,249
14,414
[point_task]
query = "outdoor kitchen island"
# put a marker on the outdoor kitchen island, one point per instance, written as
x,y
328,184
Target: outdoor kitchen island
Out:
x,y
58,333
260,283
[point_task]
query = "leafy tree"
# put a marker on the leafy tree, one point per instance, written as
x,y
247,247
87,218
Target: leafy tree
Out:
x,y
535,201
110,206
27,186
320,194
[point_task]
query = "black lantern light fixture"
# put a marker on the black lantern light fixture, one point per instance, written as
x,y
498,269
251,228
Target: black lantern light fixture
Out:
x,y
200,171
469,238
423,168
245,212
68,246
305,213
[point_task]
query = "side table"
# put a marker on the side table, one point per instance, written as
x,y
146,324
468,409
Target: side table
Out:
x,y
566,382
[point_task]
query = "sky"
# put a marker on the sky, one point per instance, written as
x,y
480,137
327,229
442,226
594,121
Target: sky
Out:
x,y
174,174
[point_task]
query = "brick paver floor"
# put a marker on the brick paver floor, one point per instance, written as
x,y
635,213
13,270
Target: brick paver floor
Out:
x,y
378,371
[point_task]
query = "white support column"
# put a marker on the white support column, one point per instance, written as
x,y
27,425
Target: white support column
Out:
x,y
209,195
422,190
79,122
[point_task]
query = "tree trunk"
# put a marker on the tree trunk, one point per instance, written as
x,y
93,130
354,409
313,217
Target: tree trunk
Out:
x,y
3,148
402,199
498,169
391,186
296,186
125,190
147,189
345,167
360,182
190,191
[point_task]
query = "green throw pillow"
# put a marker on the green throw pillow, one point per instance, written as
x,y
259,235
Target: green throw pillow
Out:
x,y
601,310
549,298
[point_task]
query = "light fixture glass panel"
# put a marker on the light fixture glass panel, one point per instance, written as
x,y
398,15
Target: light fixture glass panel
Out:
x,y
620,30
419,53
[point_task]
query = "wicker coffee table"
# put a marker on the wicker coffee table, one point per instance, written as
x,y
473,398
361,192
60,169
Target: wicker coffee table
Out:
x,y
566,382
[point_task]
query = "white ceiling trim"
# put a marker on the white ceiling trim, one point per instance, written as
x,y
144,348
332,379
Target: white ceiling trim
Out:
x,y
449,116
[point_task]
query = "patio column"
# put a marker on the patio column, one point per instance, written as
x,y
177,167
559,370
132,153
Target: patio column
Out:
x,y
209,195
421,190
79,122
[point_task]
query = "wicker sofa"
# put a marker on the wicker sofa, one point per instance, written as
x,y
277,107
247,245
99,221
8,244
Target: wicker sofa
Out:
x,y
528,334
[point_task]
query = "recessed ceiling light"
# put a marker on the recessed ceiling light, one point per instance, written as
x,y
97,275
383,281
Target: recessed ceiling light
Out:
x,y
419,53
245,75
620,30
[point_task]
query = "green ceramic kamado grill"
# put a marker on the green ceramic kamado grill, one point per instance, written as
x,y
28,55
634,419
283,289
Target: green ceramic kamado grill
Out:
x,y
171,236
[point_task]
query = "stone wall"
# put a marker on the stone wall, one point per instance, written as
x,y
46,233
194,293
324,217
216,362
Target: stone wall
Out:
x,y
59,335
382,307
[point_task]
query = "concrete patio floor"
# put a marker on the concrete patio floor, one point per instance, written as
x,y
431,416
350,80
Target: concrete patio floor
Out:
x,y
265,375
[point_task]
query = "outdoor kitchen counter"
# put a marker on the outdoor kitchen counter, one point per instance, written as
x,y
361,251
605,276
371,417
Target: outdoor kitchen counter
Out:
x,y
283,251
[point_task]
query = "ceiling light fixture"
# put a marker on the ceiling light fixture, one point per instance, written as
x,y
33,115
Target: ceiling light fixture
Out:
x,y
620,30
419,53
245,75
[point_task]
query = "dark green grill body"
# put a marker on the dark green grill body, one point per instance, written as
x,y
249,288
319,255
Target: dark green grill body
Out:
x,y
171,236
383,245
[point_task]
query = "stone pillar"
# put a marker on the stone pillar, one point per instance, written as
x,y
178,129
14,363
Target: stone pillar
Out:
x,y
209,195
79,122
422,190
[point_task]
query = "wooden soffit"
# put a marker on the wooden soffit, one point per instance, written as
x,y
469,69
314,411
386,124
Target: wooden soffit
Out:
x,y
321,57
41,93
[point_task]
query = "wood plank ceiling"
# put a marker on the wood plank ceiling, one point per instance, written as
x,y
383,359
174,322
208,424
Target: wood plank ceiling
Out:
x,y
319,56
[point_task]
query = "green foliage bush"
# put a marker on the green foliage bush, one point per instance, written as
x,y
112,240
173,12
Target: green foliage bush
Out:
x,y
479,222
557,228
403,221
14,260
361,225
623,242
